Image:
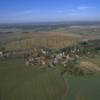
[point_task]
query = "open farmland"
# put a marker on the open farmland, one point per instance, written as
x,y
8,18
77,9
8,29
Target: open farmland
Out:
x,y
83,88
95,59
45,63
20,82
51,40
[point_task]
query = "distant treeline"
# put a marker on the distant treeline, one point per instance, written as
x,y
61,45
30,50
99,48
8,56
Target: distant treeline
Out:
x,y
47,25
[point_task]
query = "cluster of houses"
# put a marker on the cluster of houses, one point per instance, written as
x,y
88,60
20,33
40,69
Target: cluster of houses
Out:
x,y
12,54
52,58
4,54
43,56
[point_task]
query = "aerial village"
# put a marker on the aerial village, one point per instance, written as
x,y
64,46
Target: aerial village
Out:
x,y
52,58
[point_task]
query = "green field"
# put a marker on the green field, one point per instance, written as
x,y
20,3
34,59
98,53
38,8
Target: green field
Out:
x,y
21,82
95,60
83,88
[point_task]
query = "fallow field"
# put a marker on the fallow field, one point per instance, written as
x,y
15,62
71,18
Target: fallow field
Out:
x,y
49,40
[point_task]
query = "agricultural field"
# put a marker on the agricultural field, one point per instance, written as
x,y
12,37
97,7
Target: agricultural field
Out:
x,y
80,29
49,41
95,59
21,82
83,87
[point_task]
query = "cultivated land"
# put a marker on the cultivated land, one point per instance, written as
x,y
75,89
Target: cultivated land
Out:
x,y
50,41
85,87
19,81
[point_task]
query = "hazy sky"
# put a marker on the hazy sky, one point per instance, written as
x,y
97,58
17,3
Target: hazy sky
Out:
x,y
48,10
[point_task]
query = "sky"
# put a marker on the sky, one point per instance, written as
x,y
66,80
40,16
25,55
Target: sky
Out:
x,y
12,11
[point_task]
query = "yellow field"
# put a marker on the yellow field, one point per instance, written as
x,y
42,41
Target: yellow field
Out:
x,y
51,40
